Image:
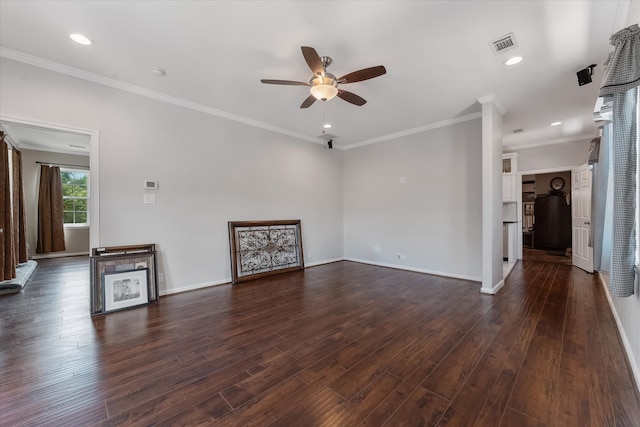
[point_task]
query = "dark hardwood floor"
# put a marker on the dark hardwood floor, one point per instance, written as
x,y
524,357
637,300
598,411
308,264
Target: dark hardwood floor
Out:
x,y
339,345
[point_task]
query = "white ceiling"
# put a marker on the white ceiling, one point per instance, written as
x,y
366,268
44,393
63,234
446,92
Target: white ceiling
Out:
x,y
46,139
436,53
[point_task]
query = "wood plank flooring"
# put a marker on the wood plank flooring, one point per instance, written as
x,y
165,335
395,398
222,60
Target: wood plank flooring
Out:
x,y
341,344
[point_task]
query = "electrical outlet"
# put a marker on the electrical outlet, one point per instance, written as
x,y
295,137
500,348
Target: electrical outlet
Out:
x,y
403,257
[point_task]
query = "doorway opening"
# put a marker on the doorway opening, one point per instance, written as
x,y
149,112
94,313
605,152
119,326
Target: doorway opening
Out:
x,y
546,217
64,146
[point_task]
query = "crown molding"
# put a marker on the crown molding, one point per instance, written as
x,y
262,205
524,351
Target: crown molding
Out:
x,y
137,90
443,123
493,99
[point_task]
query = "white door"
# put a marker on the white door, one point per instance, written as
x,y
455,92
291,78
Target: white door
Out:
x,y
581,218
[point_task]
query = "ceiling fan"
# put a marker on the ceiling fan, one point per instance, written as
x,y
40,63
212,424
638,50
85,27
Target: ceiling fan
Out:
x,y
324,85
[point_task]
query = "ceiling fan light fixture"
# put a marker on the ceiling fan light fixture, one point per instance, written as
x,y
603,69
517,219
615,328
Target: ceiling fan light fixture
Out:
x,y
324,92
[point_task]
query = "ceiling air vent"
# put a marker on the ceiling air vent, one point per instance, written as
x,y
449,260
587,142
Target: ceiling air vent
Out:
x,y
518,130
503,44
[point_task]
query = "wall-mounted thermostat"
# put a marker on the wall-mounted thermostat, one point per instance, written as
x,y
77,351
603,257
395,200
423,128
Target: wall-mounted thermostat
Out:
x,y
150,184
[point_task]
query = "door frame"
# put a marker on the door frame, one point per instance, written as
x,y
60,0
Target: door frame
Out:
x,y
519,196
94,167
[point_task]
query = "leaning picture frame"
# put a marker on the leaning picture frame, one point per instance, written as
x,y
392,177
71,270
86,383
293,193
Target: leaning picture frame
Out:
x,y
125,289
120,259
264,248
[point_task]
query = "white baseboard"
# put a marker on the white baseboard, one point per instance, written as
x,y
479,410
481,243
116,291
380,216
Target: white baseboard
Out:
x,y
194,287
623,335
494,290
417,270
59,255
326,261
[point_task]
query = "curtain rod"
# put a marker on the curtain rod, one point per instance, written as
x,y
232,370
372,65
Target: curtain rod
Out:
x,y
62,164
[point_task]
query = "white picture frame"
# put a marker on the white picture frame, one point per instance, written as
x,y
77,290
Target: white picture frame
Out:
x,y
125,289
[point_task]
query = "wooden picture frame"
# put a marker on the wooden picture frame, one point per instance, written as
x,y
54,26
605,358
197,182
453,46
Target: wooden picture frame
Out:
x,y
264,248
106,261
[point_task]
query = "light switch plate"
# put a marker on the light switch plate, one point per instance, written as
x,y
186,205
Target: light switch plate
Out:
x,y
149,199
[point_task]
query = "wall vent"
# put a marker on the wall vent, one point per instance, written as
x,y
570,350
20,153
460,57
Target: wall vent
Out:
x,y
503,44
518,130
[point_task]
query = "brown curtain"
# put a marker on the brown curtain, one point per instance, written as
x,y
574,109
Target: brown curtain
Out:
x,y
19,215
50,220
7,258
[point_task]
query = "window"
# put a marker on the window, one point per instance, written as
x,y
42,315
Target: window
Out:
x,y
75,195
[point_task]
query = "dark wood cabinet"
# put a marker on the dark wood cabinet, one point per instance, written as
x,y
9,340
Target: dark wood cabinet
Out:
x,y
552,222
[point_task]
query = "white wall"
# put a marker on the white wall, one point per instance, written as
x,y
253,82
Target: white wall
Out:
x,y
434,218
210,171
627,314
553,156
76,239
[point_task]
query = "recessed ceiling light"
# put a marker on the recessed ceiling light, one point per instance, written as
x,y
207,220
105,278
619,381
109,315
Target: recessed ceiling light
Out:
x,y
80,39
555,123
158,71
327,126
513,60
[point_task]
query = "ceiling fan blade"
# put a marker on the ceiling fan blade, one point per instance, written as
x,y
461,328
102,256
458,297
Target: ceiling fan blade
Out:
x,y
308,102
313,60
283,82
351,97
364,74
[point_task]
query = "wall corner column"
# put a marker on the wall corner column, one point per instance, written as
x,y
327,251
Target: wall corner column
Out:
x,y
492,112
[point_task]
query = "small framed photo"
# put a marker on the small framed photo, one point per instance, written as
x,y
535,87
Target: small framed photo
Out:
x,y
125,289
109,265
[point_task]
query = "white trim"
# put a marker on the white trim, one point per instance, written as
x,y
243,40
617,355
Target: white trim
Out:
x,y
625,341
194,287
94,166
59,255
494,290
326,261
416,270
492,98
71,226
419,129
137,90
516,147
